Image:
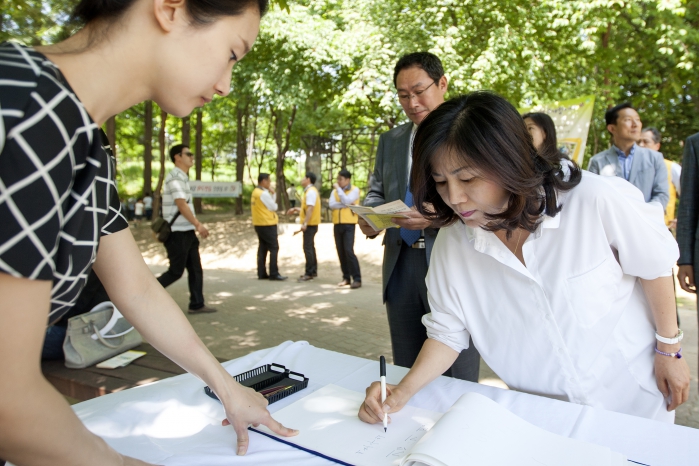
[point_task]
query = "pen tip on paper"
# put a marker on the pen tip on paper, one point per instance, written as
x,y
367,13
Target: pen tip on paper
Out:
x,y
385,429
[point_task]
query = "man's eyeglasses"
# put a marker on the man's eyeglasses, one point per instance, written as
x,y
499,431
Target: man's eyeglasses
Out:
x,y
188,154
417,94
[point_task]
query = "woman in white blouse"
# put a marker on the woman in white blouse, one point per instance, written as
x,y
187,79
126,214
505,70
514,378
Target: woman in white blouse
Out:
x,y
561,278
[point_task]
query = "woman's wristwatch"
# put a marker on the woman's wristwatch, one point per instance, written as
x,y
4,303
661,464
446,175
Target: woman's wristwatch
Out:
x,y
670,341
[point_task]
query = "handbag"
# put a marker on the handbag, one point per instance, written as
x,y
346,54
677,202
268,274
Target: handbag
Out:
x,y
98,335
162,228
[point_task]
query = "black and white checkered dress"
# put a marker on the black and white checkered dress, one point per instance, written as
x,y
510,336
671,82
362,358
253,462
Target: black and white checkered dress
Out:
x,y
57,190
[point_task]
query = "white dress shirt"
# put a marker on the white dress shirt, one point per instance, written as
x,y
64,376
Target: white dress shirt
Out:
x,y
347,198
267,200
574,324
311,196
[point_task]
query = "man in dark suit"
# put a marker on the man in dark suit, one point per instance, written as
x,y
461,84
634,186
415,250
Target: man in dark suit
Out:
x,y
421,85
688,217
640,166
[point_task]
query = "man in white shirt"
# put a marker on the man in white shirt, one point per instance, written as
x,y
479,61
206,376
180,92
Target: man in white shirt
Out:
x,y
148,203
183,245
344,226
309,213
291,192
265,220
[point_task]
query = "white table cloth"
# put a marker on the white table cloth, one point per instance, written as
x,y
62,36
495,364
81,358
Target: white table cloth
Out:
x,y
173,423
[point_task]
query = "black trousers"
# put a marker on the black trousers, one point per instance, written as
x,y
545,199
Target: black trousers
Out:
x,y
344,242
269,242
309,249
183,251
406,303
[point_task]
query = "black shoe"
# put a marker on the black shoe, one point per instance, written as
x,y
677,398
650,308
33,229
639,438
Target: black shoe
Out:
x,y
263,277
278,277
356,285
305,278
202,310
314,275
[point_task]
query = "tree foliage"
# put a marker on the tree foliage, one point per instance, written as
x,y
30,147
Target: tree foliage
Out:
x,y
319,80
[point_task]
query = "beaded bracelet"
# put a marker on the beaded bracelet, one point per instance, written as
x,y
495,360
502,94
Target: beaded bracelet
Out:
x,y
677,355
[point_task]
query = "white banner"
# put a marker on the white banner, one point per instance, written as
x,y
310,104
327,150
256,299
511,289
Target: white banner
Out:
x,y
216,189
572,119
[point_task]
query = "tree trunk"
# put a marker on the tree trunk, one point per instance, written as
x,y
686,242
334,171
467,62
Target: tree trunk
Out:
x,y
314,161
111,135
197,161
343,150
157,197
282,141
241,153
148,151
186,137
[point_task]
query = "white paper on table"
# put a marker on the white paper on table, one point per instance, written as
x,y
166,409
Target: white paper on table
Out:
x,y
476,431
328,424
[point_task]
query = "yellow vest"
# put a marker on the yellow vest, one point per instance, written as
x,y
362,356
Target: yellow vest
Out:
x,y
670,209
315,219
345,215
261,215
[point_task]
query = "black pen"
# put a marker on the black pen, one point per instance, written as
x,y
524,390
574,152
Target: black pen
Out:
x,y
382,364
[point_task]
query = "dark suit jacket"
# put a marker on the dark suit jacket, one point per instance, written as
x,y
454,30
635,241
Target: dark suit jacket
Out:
x,y
688,212
648,172
388,183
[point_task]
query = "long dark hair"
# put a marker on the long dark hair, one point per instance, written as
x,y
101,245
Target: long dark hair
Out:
x,y
485,132
549,148
201,11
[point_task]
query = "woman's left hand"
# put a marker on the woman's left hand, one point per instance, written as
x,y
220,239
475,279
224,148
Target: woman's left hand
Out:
x,y
672,376
247,407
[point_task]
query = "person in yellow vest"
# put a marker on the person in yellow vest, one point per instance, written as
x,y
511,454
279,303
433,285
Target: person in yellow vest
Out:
x,y
310,219
344,226
265,220
650,138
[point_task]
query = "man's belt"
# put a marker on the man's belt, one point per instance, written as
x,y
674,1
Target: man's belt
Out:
x,y
419,244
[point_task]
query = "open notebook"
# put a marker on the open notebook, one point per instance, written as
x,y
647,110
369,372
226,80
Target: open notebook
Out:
x,y
475,431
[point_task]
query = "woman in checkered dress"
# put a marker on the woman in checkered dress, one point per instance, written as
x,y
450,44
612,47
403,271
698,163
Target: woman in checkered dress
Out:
x,y
59,202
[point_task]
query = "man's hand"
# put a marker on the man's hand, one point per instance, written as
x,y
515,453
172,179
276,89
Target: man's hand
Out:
x,y
415,221
293,210
303,227
685,275
336,186
203,232
367,229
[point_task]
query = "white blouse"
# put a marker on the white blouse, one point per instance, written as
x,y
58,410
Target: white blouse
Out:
x,y
574,324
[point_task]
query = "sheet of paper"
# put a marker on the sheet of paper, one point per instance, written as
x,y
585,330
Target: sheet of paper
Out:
x,y
121,360
327,422
476,430
380,217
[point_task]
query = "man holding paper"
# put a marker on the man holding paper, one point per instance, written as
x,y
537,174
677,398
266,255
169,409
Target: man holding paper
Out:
x,y
421,84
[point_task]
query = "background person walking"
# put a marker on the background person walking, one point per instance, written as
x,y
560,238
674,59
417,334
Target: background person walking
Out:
x,y
183,245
